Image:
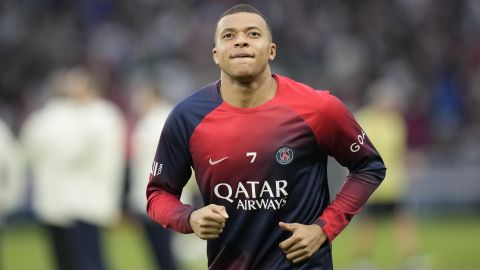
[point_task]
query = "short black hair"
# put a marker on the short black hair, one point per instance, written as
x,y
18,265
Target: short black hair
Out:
x,y
242,8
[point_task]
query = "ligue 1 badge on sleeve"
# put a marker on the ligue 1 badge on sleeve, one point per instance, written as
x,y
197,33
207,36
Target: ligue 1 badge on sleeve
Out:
x,y
284,155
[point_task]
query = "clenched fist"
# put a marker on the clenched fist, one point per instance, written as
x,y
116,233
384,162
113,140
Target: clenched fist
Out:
x,y
208,222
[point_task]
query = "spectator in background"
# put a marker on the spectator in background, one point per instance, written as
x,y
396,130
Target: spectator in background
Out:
x,y
382,118
75,147
152,111
12,185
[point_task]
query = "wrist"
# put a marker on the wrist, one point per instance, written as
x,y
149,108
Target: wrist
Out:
x,y
325,229
318,230
188,222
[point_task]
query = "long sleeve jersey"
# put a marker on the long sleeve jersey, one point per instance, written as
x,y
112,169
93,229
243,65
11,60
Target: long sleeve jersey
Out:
x,y
265,165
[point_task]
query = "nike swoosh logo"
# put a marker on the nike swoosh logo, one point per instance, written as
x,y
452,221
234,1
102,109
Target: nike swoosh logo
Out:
x,y
213,162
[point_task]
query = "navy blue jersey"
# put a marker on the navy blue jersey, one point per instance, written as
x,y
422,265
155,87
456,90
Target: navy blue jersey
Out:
x,y
266,165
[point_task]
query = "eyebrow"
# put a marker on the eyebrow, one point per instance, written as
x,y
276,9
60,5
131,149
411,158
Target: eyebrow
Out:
x,y
232,29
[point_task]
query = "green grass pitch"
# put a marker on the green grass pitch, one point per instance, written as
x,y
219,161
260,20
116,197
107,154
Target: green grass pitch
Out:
x,y
450,242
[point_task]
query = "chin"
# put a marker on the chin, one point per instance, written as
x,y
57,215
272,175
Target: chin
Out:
x,y
244,77
241,73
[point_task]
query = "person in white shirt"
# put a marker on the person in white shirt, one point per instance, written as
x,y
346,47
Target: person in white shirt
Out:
x,y
152,111
12,184
75,147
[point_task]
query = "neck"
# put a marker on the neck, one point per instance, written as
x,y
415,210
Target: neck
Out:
x,y
248,93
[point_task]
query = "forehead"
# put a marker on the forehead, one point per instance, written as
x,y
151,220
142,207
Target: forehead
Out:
x,y
241,20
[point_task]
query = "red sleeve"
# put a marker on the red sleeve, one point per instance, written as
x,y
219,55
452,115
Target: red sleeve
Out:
x,y
169,211
339,134
349,200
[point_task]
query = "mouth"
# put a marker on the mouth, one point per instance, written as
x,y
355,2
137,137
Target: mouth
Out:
x,y
242,55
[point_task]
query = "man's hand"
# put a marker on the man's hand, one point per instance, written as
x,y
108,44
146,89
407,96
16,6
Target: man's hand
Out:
x,y
208,222
304,242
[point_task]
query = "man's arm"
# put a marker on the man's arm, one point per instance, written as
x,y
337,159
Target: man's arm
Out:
x,y
171,170
167,210
350,199
207,222
350,146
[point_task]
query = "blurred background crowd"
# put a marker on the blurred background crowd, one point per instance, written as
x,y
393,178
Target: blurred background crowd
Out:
x,y
420,58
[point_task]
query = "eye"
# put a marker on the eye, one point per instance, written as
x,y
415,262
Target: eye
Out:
x,y
254,34
227,36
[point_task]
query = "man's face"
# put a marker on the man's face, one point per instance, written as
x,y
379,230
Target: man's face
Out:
x,y
243,45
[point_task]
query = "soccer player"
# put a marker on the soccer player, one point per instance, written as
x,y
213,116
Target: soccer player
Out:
x,y
259,143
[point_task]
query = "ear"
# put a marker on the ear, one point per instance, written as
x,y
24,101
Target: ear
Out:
x,y
215,55
273,51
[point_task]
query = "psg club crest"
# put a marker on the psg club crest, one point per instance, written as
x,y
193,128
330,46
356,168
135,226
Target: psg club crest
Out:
x,y
284,155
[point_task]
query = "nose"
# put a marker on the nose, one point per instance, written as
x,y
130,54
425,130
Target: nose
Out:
x,y
241,41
